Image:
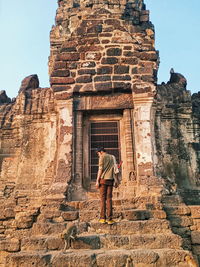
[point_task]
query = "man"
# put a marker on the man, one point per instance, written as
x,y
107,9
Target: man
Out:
x,y
106,179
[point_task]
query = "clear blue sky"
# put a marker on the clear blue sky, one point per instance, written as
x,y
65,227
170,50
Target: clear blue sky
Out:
x,y
25,27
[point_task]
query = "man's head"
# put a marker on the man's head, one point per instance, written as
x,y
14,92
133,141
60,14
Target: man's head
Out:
x,y
100,150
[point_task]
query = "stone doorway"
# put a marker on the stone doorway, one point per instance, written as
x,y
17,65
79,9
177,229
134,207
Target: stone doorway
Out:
x,y
99,130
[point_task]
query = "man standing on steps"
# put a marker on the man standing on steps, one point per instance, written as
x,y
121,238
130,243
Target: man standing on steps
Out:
x,y
106,179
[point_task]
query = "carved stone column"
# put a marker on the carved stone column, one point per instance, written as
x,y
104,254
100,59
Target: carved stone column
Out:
x,y
129,139
143,126
63,169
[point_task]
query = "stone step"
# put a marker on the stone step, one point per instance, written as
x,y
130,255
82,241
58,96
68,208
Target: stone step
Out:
x,y
88,241
101,258
42,243
147,202
51,228
119,213
147,241
151,203
152,226
117,194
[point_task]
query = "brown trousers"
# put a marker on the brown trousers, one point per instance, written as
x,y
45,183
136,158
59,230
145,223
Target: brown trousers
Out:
x,y
106,201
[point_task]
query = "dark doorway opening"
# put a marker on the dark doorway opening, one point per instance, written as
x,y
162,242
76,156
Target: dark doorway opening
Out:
x,y
103,134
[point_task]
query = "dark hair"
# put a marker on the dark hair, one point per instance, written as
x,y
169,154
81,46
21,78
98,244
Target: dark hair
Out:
x,y
100,149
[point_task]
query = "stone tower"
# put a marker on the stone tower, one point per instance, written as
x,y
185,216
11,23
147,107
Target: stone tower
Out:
x,y
103,75
104,64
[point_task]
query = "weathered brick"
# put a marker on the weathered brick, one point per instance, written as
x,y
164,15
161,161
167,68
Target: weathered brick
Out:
x,y
104,70
69,49
144,12
69,44
93,56
72,65
114,52
133,215
86,71
134,70
69,56
87,23
70,215
148,56
102,78
128,47
88,64
90,41
147,78
12,245
145,70
73,74
59,65
178,210
144,18
180,221
195,212
81,31
121,69
113,22
63,96
84,79
62,80
95,29
108,29
54,243
130,61
128,54
60,73
109,60
195,235
82,56
86,242
9,213
135,29
59,88
106,34
122,78
105,41
90,48
122,86
103,86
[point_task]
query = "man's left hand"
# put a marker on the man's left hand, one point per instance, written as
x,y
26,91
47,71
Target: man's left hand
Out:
x,y
97,184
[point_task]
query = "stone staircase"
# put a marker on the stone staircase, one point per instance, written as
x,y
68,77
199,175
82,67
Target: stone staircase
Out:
x,y
184,219
142,236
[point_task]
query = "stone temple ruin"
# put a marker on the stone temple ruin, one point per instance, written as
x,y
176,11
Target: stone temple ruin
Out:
x,y
103,75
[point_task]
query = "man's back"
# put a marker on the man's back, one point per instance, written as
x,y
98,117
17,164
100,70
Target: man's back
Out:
x,y
106,162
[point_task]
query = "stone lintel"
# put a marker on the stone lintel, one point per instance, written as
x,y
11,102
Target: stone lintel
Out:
x,y
116,101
